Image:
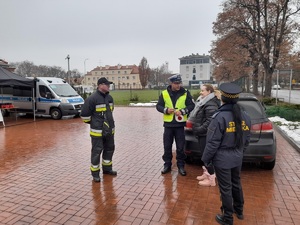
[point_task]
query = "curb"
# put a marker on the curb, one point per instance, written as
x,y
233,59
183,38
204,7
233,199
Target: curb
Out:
x,y
287,138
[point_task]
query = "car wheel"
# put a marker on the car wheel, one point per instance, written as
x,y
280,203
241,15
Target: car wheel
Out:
x,y
188,160
56,114
268,165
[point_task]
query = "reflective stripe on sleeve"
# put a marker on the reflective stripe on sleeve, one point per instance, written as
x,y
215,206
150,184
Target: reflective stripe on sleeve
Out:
x,y
111,106
86,118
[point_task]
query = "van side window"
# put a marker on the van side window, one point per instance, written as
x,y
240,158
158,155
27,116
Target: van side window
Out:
x,y
43,91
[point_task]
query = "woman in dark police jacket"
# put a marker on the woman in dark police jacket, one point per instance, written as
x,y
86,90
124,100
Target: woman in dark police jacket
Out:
x,y
228,136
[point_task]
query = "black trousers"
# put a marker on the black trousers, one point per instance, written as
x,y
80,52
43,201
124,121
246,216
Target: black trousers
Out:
x,y
202,144
231,191
104,146
171,133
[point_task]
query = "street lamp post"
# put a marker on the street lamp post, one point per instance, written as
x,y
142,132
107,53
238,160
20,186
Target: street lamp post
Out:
x,y
291,76
68,58
277,74
85,67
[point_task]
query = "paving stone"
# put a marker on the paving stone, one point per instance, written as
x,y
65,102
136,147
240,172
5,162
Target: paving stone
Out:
x,y
45,178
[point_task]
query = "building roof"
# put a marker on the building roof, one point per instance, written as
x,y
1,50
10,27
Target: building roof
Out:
x,y
194,56
134,69
4,64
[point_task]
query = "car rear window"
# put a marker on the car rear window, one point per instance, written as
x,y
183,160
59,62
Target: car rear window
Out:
x,y
253,108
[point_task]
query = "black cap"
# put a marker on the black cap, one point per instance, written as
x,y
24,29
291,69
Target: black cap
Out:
x,y
230,90
175,78
103,80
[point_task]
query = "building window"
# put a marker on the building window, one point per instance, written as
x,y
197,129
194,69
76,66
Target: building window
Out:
x,y
201,67
187,76
133,77
106,72
127,77
101,73
119,72
125,72
187,68
113,72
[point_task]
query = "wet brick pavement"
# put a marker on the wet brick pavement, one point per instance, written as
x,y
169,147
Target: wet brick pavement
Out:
x,y
45,179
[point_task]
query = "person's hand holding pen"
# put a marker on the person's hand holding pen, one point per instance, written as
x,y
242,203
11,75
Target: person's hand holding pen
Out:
x,y
170,111
177,112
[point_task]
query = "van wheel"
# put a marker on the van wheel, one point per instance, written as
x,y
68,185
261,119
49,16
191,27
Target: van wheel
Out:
x,y
56,114
268,165
188,160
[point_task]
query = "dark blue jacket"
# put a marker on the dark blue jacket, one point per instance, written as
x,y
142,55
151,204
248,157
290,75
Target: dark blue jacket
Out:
x,y
220,140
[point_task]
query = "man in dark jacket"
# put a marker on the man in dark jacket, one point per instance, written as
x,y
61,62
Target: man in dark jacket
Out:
x,y
175,103
228,136
97,111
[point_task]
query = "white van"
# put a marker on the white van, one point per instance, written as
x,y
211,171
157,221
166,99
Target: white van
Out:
x,y
51,96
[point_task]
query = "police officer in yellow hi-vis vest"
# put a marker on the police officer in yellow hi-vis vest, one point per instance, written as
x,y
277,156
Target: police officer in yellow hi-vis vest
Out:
x,y
228,135
175,103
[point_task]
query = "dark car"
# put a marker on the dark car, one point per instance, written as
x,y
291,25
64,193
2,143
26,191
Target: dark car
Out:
x,y
262,147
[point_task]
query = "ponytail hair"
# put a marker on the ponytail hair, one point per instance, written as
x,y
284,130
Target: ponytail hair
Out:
x,y
237,118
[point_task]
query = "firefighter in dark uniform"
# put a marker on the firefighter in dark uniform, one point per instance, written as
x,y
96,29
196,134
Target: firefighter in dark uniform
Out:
x,y
175,103
97,111
228,136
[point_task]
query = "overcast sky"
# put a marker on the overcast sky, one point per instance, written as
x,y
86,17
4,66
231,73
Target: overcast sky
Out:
x,y
106,32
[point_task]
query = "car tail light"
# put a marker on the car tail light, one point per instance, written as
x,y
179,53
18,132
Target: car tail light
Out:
x,y
189,125
266,127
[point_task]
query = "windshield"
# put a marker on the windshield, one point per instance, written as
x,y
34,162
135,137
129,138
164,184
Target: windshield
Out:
x,y
63,90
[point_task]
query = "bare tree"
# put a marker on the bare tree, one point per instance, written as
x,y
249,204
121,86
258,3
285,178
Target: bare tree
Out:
x,y
144,72
27,68
266,25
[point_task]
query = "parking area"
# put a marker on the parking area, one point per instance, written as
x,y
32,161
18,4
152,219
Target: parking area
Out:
x,y
45,178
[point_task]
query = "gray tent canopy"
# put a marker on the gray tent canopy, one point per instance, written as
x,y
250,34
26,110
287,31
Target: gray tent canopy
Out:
x,y
8,78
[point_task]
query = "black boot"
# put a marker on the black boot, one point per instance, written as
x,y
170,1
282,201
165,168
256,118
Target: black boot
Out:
x,y
110,172
96,177
221,220
166,169
181,170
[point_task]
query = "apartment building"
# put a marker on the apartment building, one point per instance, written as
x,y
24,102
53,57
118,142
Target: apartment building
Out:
x,y
123,77
196,69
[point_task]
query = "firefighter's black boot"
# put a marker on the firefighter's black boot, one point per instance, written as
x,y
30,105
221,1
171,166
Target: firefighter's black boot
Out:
x,y
110,172
96,177
107,168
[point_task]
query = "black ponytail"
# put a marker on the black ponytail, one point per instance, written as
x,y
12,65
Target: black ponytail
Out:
x,y
237,118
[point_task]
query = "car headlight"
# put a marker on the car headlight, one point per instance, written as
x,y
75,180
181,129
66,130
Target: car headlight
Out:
x,y
64,100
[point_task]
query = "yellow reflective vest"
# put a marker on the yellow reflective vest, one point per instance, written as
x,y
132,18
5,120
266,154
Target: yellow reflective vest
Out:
x,y
180,104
